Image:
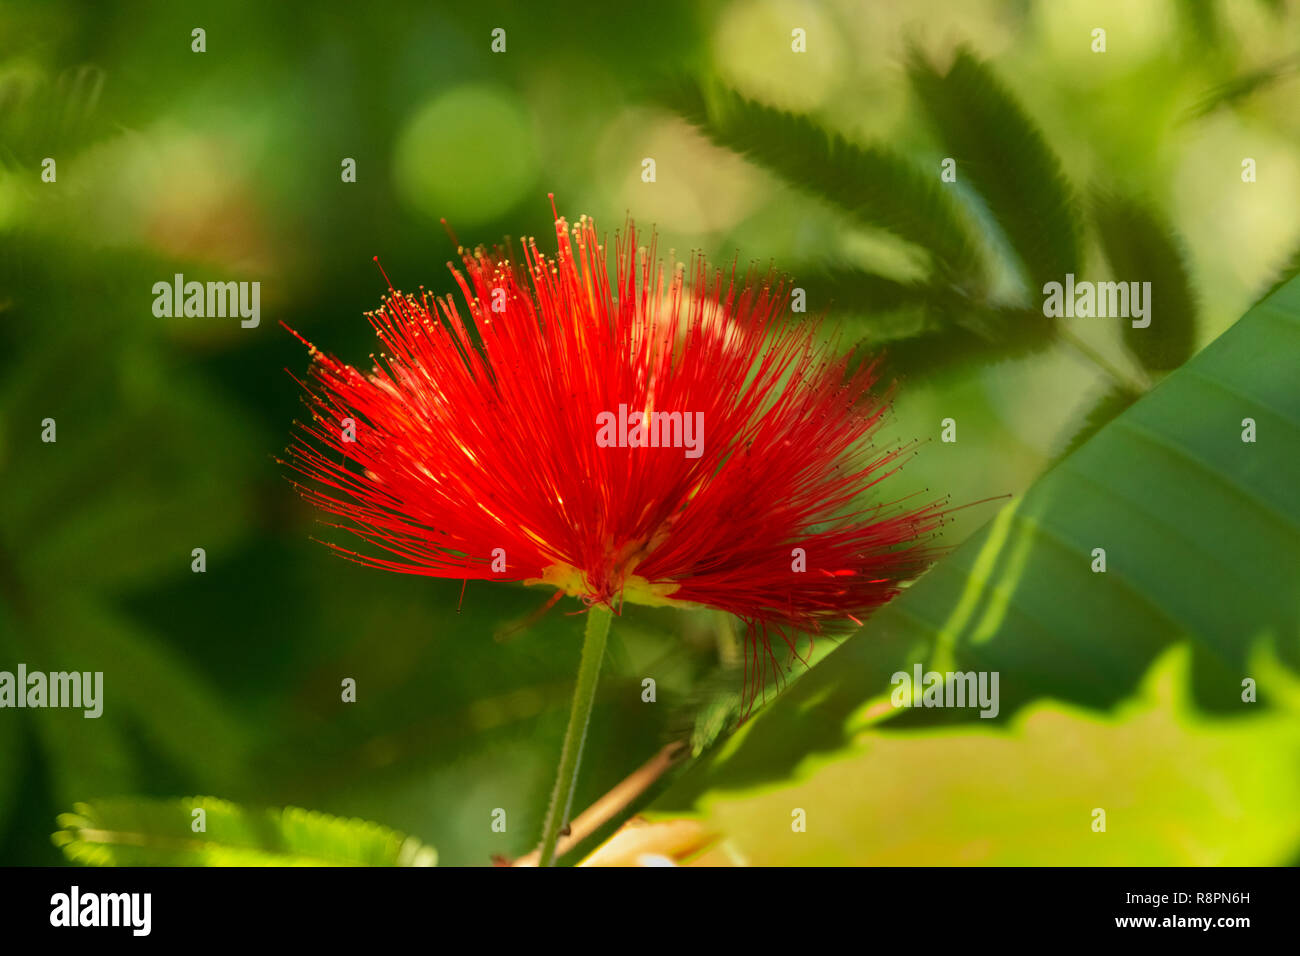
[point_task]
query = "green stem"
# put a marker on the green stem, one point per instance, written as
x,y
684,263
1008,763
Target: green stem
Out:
x,y
584,695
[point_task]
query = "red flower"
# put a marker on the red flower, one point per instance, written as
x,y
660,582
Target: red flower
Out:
x,y
652,440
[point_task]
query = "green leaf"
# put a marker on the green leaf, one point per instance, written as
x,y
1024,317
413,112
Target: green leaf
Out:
x,y
859,290
1142,247
1202,538
873,185
138,832
983,337
1003,155
876,308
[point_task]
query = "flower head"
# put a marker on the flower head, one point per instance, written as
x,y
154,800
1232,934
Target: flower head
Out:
x,y
624,436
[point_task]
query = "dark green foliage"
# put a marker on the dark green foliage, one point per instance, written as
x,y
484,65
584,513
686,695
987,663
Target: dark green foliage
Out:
x,y
946,322
977,337
873,185
1141,246
865,291
1001,152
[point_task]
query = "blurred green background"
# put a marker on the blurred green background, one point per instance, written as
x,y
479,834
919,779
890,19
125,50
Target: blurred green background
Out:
x,y
225,165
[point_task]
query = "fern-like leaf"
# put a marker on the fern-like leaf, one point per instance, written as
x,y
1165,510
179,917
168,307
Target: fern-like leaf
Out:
x,y
1142,247
1002,154
143,832
982,337
874,186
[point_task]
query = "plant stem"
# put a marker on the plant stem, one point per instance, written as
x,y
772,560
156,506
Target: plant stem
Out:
x,y
584,695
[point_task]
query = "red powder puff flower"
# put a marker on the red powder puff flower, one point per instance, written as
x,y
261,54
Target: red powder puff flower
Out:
x,y
625,437
620,437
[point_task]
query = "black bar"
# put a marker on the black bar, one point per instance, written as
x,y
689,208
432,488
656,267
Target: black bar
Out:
x,y
502,909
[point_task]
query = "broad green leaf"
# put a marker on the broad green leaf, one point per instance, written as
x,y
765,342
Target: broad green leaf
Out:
x,y
873,185
1142,247
138,832
1178,788
1001,152
1201,533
